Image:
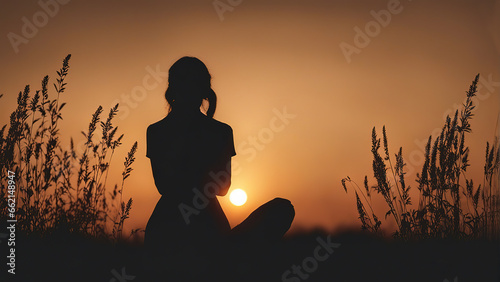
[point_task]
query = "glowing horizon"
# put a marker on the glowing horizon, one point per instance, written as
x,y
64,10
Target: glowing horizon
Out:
x,y
269,62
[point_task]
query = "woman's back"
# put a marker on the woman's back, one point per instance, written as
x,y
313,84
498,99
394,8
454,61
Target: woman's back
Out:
x,y
185,150
188,148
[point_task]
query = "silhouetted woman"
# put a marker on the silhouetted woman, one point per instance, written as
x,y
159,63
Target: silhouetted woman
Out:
x,y
188,234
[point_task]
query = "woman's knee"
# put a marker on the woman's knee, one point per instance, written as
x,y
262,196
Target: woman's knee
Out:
x,y
283,206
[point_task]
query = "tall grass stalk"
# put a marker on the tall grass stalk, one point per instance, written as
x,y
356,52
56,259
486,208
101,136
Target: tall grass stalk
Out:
x,y
450,204
57,188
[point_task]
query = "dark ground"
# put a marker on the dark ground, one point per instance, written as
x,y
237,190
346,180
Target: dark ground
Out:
x,y
359,257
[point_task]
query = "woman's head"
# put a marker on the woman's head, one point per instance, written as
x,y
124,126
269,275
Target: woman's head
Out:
x,y
188,85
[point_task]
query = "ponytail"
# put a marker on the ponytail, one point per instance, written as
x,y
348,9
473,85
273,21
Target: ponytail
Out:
x,y
212,103
169,96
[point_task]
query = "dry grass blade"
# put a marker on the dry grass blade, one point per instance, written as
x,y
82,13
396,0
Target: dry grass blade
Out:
x,y
441,212
52,197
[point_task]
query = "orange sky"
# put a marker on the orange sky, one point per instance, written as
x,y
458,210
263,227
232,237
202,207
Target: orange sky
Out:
x,y
407,74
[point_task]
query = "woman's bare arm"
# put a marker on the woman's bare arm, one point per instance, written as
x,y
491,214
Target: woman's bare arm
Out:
x,y
160,174
220,174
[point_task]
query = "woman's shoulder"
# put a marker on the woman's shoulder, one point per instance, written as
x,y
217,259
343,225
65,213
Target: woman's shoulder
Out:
x,y
154,127
219,125
206,122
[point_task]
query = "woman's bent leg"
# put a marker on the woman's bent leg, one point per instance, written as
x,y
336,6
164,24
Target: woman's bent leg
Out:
x,y
253,243
267,223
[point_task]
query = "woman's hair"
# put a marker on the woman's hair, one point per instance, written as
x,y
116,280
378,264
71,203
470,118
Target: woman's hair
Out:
x,y
190,76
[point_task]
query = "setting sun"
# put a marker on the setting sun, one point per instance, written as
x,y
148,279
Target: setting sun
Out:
x,y
238,197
